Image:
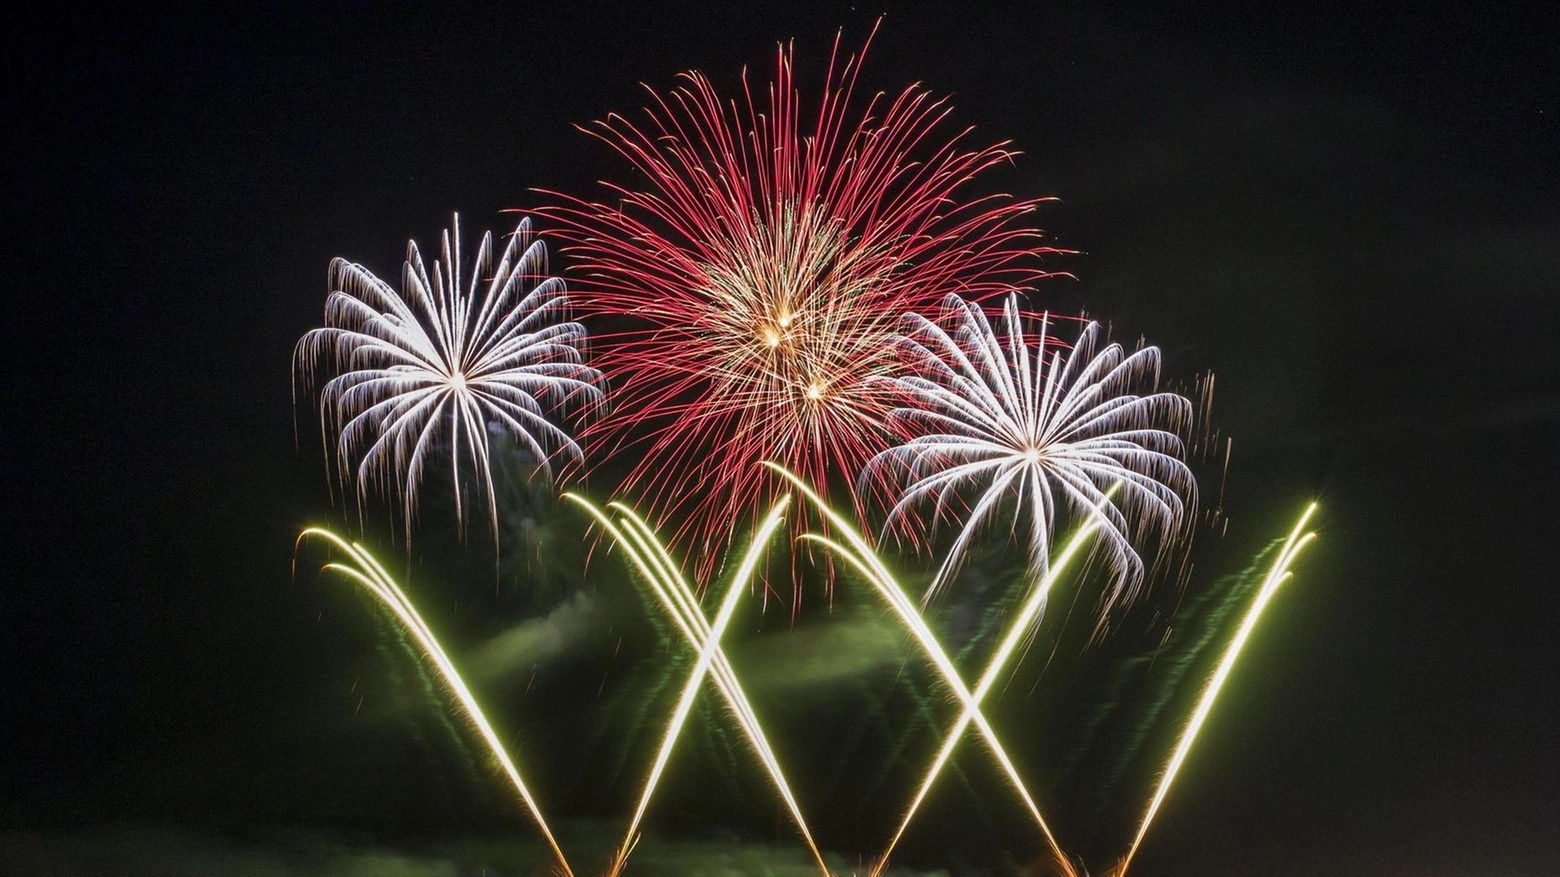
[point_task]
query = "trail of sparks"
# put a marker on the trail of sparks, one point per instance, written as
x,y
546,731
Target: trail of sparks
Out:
x,y
756,276
654,562
860,555
1276,576
368,572
711,647
1020,627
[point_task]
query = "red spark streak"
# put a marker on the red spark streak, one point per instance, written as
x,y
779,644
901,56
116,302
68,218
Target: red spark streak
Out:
x,y
754,281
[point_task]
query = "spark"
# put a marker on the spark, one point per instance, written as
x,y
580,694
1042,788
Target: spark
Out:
x,y
709,648
367,571
650,557
1278,575
1021,625
761,269
860,555
1009,415
439,361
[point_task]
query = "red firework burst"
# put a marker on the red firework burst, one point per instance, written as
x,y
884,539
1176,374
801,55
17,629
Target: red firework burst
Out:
x,y
756,278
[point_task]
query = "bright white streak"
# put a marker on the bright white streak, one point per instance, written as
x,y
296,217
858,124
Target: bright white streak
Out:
x,y
443,358
866,560
1016,631
649,556
725,677
706,657
1001,416
376,581
1276,576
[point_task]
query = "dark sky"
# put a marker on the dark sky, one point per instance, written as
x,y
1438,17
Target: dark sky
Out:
x,y
1352,218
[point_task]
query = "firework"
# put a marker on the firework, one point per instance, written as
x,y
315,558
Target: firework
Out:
x,y
1013,415
709,650
860,555
649,556
1020,626
757,276
440,362
368,572
1276,576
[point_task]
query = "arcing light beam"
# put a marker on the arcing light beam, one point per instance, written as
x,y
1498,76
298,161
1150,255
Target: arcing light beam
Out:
x,y
372,576
650,557
1021,624
860,555
1276,576
711,647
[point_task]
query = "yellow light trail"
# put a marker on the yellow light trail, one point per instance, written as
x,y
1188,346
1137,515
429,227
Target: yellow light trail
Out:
x,y
707,654
861,556
372,576
648,555
1015,634
1276,576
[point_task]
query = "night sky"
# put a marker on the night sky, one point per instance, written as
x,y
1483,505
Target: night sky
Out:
x,y
1352,219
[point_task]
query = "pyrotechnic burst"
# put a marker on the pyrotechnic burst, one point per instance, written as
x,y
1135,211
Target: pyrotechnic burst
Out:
x,y
1016,416
754,291
441,362
758,275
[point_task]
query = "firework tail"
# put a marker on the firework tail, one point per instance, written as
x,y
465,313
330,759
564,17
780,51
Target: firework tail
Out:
x,y
655,564
372,576
707,654
860,555
1016,632
1276,576
725,676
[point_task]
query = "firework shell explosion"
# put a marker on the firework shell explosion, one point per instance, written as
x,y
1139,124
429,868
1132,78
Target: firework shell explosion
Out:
x,y
1016,414
438,362
755,295
756,276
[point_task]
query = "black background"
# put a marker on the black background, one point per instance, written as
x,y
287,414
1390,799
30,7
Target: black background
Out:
x,y
1352,218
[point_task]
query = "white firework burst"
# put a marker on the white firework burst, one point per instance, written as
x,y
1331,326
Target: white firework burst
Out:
x,y
1018,416
440,363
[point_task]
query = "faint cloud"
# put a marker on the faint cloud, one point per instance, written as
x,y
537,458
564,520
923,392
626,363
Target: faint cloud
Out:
x,y
843,649
535,640
155,851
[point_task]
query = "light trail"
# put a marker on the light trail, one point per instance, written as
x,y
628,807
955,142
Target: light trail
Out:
x,y
1276,576
650,557
707,654
1015,634
861,556
372,576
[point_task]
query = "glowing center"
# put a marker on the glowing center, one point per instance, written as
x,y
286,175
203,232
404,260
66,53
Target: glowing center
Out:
x,y
1032,455
814,391
785,320
772,337
458,381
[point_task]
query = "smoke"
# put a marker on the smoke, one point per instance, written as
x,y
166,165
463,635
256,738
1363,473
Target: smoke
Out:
x,y
156,851
146,851
808,658
535,640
